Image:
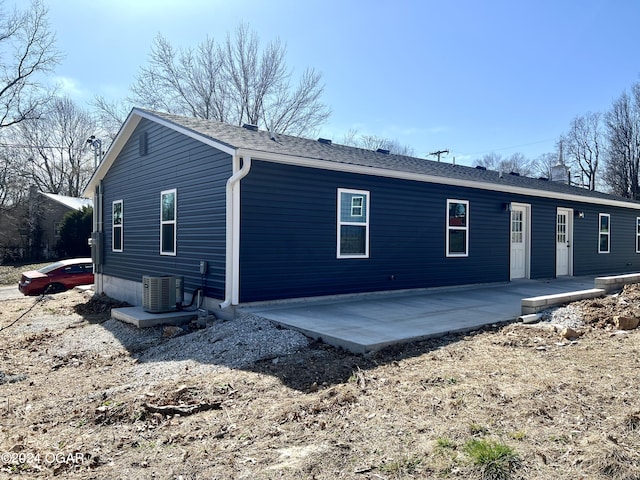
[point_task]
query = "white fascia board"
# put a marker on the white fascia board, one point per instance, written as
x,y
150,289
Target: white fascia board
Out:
x,y
127,129
418,177
115,148
185,131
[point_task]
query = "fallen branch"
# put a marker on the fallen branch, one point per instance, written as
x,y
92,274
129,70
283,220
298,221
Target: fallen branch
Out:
x,y
182,409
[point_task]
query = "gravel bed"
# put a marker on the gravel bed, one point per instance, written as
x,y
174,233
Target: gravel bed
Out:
x,y
567,316
225,344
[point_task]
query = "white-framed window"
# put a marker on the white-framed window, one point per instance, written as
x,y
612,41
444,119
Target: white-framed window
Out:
x,y
117,225
457,228
604,232
353,223
637,234
168,221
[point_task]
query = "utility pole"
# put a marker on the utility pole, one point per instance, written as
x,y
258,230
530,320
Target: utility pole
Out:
x,y
96,146
439,152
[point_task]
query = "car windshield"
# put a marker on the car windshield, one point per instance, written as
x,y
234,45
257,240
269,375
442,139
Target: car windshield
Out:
x,y
50,268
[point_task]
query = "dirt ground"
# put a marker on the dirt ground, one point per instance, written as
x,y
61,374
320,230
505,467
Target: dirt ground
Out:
x,y
75,406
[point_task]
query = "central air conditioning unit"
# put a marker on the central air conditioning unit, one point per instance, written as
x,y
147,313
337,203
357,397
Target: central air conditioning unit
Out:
x,y
162,294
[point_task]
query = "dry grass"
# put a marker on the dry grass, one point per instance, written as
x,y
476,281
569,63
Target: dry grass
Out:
x,y
560,410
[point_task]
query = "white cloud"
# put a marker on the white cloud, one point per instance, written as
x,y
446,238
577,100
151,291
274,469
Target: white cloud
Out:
x,y
69,87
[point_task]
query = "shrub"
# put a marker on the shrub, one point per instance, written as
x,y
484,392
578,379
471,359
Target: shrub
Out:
x,y
75,231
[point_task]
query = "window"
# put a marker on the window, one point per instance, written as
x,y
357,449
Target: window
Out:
x,y
353,223
457,228
116,244
604,233
517,226
637,234
168,209
561,228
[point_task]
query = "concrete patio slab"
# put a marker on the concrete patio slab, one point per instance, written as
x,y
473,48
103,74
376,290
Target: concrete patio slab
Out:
x,y
369,322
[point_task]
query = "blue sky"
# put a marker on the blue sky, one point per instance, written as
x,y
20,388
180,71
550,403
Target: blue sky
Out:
x,y
470,76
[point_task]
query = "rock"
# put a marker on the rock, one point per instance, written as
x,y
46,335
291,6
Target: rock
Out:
x,y
569,333
625,323
171,331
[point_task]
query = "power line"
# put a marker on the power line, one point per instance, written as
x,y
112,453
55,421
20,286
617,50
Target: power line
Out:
x,y
17,145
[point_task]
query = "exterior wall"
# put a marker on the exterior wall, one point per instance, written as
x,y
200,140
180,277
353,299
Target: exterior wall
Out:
x,y
199,173
288,235
622,257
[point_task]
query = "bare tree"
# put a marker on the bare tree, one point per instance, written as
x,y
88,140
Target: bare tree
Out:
x,y
516,163
13,187
374,142
623,151
234,82
57,158
110,115
545,162
27,50
583,146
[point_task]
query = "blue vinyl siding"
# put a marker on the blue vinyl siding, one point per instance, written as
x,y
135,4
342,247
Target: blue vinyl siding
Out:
x,y
199,173
288,239
622,256
288,235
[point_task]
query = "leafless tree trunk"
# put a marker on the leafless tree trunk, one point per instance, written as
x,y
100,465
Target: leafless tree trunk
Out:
x,y
13,187
583,146
234,82
623,152
57,157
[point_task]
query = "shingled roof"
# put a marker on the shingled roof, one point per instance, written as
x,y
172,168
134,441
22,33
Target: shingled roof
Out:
x,y
335,156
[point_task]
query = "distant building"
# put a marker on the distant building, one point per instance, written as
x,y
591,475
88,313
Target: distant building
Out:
x,y
29,231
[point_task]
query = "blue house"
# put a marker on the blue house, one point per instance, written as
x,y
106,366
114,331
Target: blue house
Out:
x,y
248,215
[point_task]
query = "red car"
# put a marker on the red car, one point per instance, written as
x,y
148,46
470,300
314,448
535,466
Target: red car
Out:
x,y
57,277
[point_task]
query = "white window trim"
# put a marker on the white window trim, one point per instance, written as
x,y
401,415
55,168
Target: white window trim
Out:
x,y
637,234
367,198
449,228
608,233
173,222
121,226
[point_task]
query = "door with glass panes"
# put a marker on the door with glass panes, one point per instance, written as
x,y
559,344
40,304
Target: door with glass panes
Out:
x,y
564,237
519,242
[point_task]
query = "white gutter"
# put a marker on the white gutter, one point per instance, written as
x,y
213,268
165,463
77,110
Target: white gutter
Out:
x,y
443,180
232,263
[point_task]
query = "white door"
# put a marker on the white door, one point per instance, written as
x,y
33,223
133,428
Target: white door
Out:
x,y
564,237
519,241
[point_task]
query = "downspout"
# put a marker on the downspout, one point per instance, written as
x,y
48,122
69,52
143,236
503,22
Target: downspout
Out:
x,y
97,238
232,263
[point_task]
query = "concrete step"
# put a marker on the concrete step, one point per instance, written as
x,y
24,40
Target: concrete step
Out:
x,y
141,319
542,302
615,282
